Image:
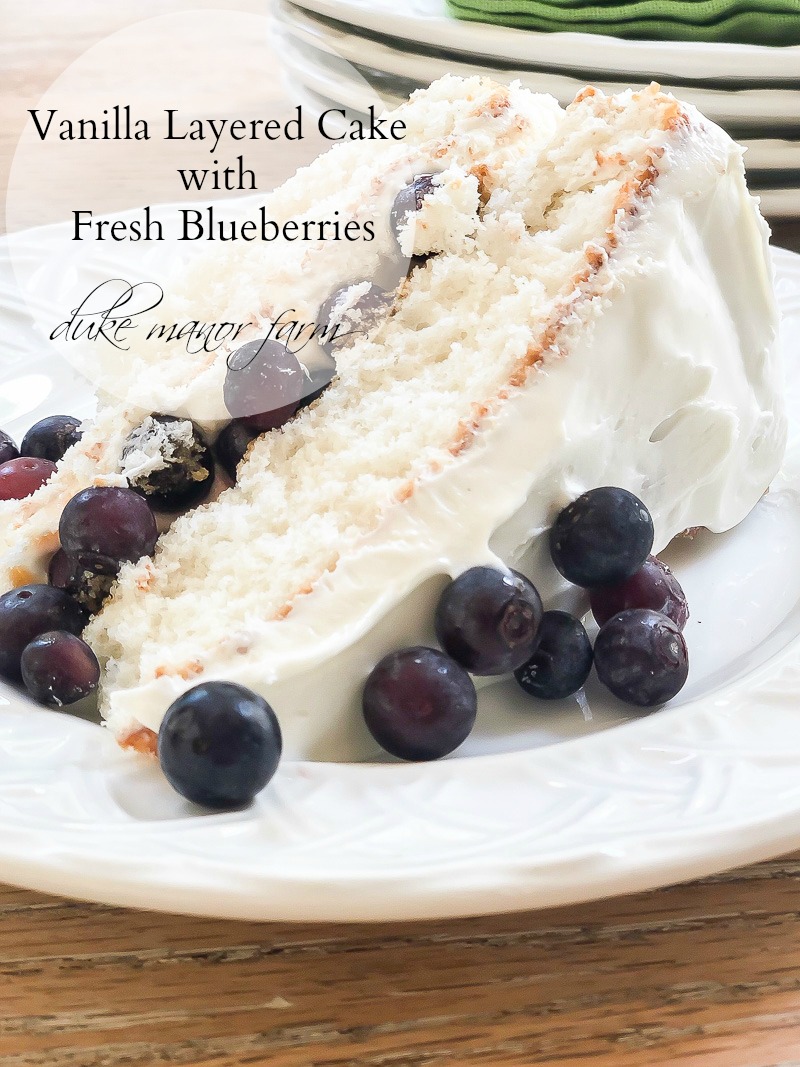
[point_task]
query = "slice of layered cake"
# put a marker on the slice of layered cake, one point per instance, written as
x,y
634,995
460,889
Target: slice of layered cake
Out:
x,y
555,300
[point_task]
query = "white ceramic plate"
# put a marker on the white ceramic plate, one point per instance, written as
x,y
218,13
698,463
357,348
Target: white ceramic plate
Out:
x,y
770,153
780,203
542,806
412,67
426,22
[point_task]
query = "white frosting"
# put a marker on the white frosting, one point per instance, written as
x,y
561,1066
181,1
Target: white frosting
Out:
x,y
671,389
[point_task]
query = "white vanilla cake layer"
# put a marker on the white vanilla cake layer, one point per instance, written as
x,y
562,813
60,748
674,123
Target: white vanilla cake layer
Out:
x,y
451,127
659,375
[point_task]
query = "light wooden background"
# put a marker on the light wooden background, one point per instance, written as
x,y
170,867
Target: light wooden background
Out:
x,y
703,975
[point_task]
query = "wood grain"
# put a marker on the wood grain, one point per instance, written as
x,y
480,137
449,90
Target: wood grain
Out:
x,y
702,975
706,974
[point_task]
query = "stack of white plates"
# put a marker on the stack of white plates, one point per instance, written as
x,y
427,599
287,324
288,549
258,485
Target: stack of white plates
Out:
x,y
354,53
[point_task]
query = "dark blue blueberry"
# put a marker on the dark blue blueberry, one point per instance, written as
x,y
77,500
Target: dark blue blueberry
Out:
x,y
27,612
51,437
653,586
187,473
408,201
393,271
318,381
59,668
602,538
345,316
562,660
488,620
641,656
87,577
419,704
8,450
219,744
264,385
108,521
231,445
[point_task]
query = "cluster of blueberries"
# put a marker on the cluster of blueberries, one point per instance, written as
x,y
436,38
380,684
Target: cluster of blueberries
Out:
x,y
100,529
40,625
420,703
219,744
25,469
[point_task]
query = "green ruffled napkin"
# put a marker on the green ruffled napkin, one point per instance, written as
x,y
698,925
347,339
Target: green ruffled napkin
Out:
x,y
774,22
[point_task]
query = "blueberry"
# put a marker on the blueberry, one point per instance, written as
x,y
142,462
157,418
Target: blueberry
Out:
x,y
562,660
399,269
219,744
8,450
51,437
602,538
652,586
59,572
641,656
231,445
27,612
488,620
318,381
107,521
409,201
350,312
418,261
59,668
264,385
419,704
87,577
185,471
21,477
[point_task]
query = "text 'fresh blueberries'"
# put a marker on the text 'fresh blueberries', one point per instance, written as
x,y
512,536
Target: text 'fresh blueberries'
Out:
x,y
219,744
602,538
419,704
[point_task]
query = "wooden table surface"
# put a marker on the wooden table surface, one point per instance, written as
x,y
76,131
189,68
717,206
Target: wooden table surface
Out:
x,y
705,974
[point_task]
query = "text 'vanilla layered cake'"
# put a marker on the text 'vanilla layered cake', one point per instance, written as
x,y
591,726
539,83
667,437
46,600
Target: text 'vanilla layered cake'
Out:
x,y
555,299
